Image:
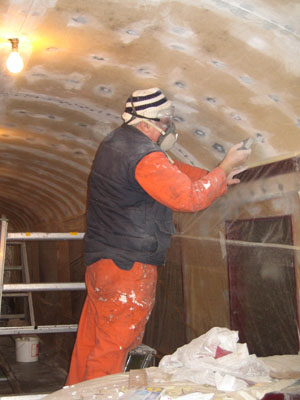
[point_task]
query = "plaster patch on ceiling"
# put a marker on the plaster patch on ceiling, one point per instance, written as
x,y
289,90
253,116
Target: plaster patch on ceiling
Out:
x,y
96,59
246,79
133,31
180,84
179,47
274,97
181,31
82,124
73,81
183,47
219,148
147,71
202,132
234,114
77,21
176,78
211,100
103,90
257,43
219,64
176,37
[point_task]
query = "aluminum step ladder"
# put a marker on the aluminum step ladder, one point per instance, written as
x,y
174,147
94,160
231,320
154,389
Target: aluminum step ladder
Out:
x,y
25,288
28,310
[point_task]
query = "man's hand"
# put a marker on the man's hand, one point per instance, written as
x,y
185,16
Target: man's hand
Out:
x,y
230,177
233,162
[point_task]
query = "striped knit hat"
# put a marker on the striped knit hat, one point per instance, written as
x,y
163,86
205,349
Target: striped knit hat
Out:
x,y
145,103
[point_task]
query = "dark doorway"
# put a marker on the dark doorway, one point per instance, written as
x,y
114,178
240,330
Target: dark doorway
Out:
x,y
262,285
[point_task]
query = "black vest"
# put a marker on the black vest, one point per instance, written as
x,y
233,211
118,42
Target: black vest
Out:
x,y
124,223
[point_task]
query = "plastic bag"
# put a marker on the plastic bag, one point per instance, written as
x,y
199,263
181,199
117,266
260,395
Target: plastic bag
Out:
x,y
216,358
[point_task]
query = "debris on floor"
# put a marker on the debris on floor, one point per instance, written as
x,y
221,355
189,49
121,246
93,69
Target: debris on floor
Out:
x,y
230,374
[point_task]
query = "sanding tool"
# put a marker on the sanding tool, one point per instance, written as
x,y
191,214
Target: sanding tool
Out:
x,y
247,143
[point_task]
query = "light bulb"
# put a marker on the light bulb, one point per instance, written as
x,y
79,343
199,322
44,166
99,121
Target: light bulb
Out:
x,y
14,62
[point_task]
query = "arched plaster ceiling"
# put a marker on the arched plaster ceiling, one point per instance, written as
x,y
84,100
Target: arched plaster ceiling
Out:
x,y
231,67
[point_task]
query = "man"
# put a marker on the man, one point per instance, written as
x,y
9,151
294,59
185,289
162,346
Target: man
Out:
x,y
133,189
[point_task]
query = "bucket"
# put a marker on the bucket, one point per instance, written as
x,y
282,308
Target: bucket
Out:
x,y
27,349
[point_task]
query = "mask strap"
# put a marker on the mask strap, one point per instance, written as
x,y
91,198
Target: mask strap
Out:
x,y
134,114
161,131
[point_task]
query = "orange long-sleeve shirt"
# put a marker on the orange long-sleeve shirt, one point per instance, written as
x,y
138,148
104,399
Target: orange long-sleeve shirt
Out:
x,y
179,186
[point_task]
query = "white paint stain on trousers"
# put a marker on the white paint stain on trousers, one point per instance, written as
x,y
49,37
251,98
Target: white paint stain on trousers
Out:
x,y
123,298
132,296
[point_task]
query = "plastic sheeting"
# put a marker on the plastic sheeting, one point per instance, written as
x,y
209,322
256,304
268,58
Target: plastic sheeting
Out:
x,y
216,359
239,264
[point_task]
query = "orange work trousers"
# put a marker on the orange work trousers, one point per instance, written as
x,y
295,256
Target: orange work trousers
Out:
x,y
113,319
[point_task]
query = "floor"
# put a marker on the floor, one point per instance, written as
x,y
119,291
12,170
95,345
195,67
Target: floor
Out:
x,y
36,377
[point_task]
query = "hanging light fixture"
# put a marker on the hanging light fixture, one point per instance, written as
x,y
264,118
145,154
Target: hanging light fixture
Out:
x,y
14,62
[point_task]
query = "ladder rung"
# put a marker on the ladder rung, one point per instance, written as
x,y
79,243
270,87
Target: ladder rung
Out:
x,y
45,236
15,294
38,287
19,330
12,316
13,268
